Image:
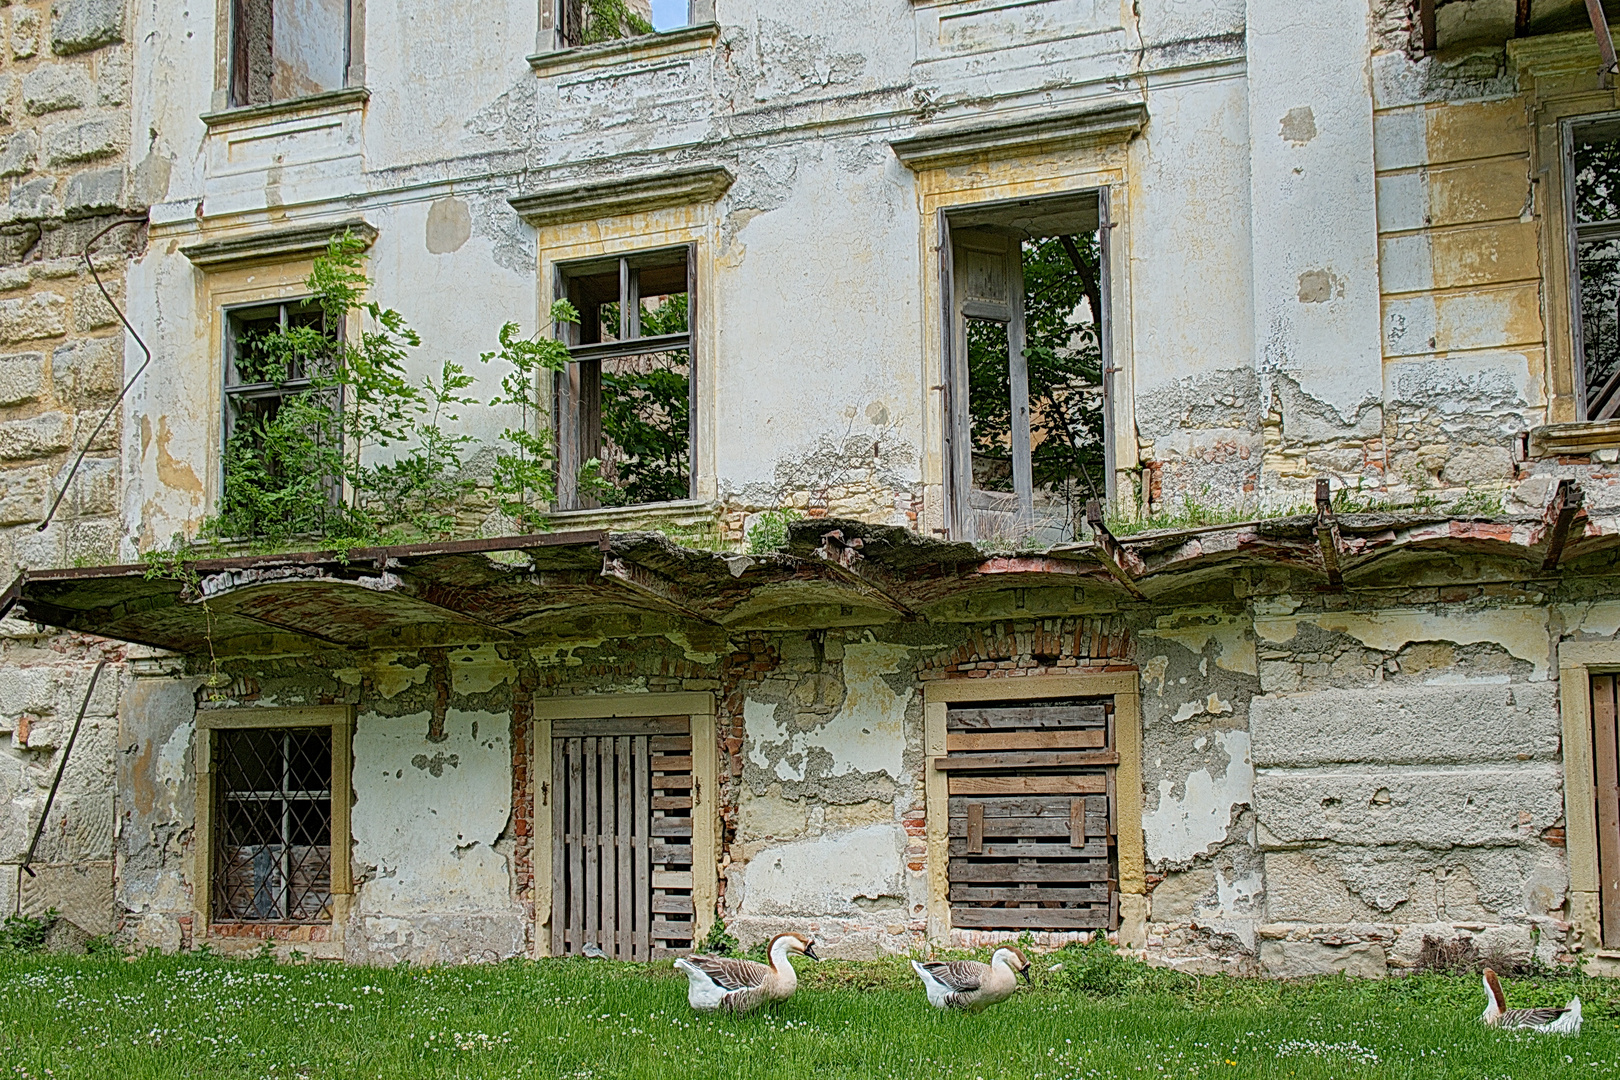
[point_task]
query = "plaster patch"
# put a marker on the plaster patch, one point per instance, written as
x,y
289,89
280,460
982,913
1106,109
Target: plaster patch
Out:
x,y
696,656
170,765
449,225
1523,632
1600,619
842,874
1179,830
1299,126
1237,652
866,736
392,680
479,672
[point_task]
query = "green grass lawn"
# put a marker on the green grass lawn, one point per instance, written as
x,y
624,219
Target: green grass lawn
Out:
x,y
1095,1016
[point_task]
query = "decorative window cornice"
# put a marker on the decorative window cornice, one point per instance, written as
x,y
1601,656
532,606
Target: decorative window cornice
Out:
x,y
998,138
275,245
623,195
341,100
687,39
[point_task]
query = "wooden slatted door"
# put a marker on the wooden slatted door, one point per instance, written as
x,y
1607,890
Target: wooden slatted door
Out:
x,y
622,837
1606,783
1032,821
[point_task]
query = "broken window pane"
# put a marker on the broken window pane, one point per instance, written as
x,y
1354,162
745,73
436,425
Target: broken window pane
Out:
x,y
285,49
273,825
628,439
1595,167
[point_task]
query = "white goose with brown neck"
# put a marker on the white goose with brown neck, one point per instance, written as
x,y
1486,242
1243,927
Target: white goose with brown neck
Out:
x,y
724,982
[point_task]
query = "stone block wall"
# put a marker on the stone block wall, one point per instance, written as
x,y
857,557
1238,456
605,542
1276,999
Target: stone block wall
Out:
x,y
65,69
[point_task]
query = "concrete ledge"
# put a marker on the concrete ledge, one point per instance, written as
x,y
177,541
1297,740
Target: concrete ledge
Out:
x,y
275,245
654,46
349,97
1111,121
623,195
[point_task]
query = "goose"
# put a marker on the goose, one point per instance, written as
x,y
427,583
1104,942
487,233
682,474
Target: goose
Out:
x,y
739,986
970,985
1565,1021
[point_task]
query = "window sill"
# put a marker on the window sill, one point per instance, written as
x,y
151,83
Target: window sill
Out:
x,y
330,101
688,39
1556,440
684,514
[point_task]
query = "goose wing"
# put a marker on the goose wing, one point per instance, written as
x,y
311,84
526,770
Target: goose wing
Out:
x,y
1530,1018
730,973
962,976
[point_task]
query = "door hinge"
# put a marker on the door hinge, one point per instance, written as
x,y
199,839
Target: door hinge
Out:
x,y
545,793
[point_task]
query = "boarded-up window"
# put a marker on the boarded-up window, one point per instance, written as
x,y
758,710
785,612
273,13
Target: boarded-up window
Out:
x,y
1032,835
1606,765
285,49
622,837
273,825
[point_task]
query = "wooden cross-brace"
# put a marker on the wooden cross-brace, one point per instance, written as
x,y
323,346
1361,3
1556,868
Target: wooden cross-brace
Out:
x,y
1110,552
1565,507
1327,535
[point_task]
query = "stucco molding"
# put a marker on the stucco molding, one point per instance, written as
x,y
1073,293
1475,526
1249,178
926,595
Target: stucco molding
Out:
x,y
344,99
275,245
1551,440
623,195
658,46
1112,121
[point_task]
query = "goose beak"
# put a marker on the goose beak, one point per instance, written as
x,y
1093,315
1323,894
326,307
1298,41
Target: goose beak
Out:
x,y
1024,974
810,951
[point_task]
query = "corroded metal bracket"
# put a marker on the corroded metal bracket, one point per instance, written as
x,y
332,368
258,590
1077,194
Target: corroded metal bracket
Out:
x,y
843,557
1567,504
1327,535
651,585
1110,552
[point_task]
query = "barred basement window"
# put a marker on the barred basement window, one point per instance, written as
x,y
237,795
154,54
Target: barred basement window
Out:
x,y
625,404
1593,178
272,844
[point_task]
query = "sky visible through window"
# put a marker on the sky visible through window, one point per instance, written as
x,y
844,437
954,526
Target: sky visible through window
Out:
x,y
668,14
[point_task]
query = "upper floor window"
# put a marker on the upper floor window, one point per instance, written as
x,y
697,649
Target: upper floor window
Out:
x,y
625,403
1594,199
590,22
286,49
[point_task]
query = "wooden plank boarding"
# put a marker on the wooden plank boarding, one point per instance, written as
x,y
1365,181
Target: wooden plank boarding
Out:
x,y
975,829
1096,825
1077,823
1050,759
1056,739
1014,849
1030,918
591,760
622,841
1606,766
559,848
1076,870
1027,716
576,853
643,812
628,725
1028,785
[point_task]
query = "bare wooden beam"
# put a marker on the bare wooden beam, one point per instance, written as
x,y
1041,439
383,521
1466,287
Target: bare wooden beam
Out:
x,y
1110,552
1561,513
1521,18
1327,534
1605,41
1431,37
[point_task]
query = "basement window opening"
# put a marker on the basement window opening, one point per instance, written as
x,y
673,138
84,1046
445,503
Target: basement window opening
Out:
x,y
282,50
1593,166
273,825
1025,287
626,401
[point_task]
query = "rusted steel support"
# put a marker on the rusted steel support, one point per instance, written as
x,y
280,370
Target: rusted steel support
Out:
x,y
1521,18
843,558
652,586
1110,552
1431,36
61,767
1327,534
1565,507
1605,41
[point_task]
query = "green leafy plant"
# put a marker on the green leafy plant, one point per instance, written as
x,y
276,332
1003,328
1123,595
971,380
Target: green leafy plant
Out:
x,y
610,20
769,532
525,479
24,934
718,941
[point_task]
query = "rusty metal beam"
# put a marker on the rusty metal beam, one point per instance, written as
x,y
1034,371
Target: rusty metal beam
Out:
x,y
843,558
1565,507
1327,534
1521,18
1431,36
1605,41
1110,552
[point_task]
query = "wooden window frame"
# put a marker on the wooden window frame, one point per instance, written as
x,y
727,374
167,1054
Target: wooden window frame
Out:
x,y
226,59
699,708
1578,662
1124,688
1574,233
554,29
340,718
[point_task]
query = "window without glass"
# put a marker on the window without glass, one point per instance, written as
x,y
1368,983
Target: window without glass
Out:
x,y
591,22
285,49
1026,344
1594,199
624,405
283,415
272,825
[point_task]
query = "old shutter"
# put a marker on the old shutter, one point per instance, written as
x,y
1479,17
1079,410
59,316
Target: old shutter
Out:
x,y
1606,766
1032,835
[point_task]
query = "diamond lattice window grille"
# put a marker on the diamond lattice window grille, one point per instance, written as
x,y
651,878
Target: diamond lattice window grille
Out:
x,y
273,840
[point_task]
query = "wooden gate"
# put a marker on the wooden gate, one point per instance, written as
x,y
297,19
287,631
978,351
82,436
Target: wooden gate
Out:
x,y
1606,783
622,837
1032,815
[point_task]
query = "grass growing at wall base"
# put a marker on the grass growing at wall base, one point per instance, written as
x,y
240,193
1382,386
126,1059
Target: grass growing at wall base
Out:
x,y
1096,1016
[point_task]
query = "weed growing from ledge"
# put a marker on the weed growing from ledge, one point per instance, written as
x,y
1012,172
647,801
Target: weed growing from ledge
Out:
x,y
525,480
769,532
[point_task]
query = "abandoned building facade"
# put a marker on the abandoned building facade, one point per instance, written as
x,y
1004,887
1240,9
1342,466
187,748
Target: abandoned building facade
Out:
x,y
1058,467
